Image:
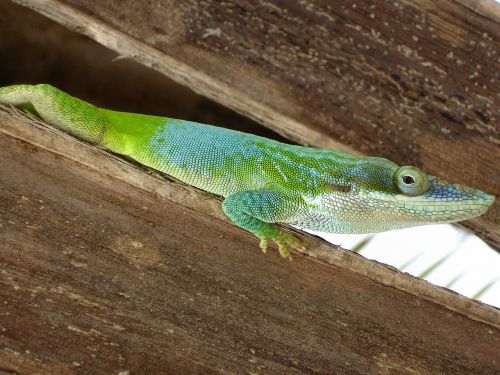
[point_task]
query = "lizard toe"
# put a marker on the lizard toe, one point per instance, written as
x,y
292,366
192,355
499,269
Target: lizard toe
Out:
x,y
286,241
263,244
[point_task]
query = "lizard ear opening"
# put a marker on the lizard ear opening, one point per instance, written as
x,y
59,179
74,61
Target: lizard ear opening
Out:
x,y
411,181
341,188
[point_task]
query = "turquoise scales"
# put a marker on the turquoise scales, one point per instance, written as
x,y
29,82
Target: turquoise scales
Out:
x,y
264,181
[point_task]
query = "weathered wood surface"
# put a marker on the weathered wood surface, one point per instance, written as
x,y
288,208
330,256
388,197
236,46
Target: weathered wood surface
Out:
x,y
106,269
414,81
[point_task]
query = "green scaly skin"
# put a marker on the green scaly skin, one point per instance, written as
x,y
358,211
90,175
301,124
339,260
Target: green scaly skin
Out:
x,y
263,181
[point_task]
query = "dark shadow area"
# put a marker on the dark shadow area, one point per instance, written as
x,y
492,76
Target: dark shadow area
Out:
x,y
35,49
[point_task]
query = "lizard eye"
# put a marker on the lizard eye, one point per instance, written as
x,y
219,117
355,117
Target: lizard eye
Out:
x,y
408,180
411,181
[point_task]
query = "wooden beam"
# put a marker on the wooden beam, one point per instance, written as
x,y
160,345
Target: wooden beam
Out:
x,y
413,81
107,267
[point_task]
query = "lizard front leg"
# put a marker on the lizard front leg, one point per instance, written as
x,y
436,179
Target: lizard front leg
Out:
x,y
256,210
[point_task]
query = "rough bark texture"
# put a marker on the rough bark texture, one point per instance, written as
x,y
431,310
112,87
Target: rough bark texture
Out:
x,y
414,81
107,269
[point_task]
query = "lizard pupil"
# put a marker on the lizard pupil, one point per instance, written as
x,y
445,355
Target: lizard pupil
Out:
x,y
408,180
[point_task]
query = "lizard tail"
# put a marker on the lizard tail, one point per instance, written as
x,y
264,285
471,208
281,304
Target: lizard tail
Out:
x,y
70,114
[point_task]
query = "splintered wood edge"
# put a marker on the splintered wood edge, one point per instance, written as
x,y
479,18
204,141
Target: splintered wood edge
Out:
x,y
486,8
16,125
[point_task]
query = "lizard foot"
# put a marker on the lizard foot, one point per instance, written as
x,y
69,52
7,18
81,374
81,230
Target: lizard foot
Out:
x,y
284,241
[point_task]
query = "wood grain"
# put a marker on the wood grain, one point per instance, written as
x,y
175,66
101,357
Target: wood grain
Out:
x,y
413,81
106,267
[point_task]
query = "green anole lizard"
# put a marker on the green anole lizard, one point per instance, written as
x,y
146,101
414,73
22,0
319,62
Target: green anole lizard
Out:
x,y
263,181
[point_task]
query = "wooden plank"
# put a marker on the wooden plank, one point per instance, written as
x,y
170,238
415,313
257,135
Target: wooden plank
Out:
x,y
414,81
106,267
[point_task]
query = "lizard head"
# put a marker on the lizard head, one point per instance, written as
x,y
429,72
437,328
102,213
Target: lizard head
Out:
x,y
384,196
424,198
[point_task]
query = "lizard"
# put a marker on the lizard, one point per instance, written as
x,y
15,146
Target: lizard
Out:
x,y
263,181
